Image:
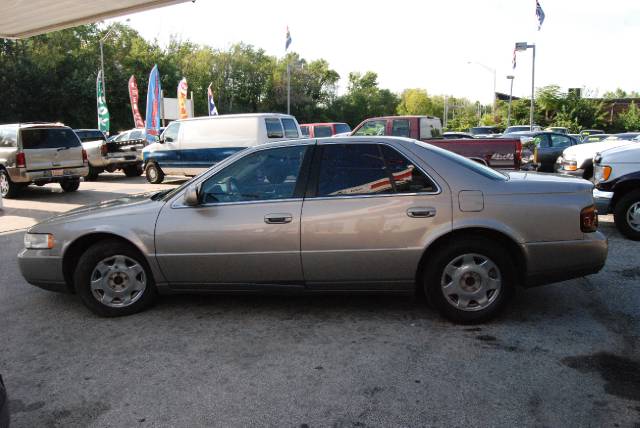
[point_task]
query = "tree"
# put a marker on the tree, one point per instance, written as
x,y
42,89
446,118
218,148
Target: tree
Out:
x,y
364,99
630,119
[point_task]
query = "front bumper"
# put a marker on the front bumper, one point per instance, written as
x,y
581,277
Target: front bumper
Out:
x,y
549,262
41,269
21,175
603,201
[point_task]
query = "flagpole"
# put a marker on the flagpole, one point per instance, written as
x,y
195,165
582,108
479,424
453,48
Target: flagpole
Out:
x,y
288,88
533,74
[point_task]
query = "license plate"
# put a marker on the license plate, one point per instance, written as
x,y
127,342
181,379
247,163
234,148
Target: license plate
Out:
x,y
57,172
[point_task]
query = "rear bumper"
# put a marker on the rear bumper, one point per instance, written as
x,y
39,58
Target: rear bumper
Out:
x,y
602,200
42,270
549,262
21,175
116,160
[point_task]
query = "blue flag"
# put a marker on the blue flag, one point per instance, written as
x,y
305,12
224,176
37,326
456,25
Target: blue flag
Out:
x,y
154,106
539,14
213,111
288,42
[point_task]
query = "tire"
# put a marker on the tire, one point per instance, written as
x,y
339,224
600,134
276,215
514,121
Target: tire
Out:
x,y
491,286
133,170
623,214
8,188
70,185
154,173
111,260
93,174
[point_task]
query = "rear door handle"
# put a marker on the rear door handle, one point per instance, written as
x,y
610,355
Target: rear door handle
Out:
x,y
278,218
421,212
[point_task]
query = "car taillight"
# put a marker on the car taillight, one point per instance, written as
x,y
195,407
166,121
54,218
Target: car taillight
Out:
x,y
85,160
103,149
518,160
535,155
589,219
20,160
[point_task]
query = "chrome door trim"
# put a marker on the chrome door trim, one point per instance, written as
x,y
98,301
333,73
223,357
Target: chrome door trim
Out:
x,y
179,205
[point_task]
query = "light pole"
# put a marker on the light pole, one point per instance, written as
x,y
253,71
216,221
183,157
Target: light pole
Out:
x,y
510,77
523,46
492,70
104,90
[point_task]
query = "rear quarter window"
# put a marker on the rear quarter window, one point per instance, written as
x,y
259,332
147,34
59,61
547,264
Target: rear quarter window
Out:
x,y
290,128
274,128
8,137
48,138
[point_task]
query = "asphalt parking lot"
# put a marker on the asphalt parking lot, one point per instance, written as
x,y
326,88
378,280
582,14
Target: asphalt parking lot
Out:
x,y
562,355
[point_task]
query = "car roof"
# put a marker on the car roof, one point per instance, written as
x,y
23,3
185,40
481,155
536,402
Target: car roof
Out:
x,y
236,116
323,124
35,125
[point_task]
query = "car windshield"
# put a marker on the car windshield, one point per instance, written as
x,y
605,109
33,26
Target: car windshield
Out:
x,y
90,135
517,129
467,163
482,131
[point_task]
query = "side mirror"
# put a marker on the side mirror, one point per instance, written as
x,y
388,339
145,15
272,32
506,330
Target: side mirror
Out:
x,y
191,197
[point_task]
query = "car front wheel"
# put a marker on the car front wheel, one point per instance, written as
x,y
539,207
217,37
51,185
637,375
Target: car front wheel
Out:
x,y
8,189
154,173
469,281
627,215
113,279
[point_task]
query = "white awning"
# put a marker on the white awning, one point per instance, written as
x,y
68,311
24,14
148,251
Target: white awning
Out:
x,y
25,18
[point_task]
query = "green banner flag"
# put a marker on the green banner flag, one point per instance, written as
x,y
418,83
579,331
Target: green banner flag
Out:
x,y
103,111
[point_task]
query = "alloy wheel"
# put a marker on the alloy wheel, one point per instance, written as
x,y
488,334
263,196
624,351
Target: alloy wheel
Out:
x,y
471,282
633,216
118,281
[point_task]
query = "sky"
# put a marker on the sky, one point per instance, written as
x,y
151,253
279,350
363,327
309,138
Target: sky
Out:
x,y
427,44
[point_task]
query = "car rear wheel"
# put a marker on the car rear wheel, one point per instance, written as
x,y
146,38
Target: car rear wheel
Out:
x,y
469,281
113,279
154,173
133,170
627,215
93,174
70,185
8,188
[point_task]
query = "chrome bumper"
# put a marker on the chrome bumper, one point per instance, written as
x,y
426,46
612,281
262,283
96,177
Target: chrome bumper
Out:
x,y
42,270
116,159
21,175
549,262
602,201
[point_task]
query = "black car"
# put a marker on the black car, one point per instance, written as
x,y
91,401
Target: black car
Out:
x,y
456,135
545,148
4,406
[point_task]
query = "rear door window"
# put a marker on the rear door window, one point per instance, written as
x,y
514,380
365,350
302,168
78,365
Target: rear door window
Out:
x,y
400,128
372,127
290,128
342,127
274,128
48,138
322,131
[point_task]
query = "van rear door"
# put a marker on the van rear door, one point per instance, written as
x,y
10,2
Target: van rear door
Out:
x,y
50,148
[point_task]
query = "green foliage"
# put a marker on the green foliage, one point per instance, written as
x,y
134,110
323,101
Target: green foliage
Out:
x,y
364,99
630,120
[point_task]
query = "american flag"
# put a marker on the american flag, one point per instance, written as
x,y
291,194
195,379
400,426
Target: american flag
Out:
x,y
514,58
288,42
213,111
539,14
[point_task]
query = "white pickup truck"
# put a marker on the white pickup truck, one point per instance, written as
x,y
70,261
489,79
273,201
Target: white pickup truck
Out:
x,y
617,179
578,160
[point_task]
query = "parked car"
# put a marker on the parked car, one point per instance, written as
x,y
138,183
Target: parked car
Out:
x,y
484,131
188,147
617,179
594,138
521,128
497,153
120,153
545,148
558,129
578,160
40,153
372,214
319,130
4,406
586,132
456,135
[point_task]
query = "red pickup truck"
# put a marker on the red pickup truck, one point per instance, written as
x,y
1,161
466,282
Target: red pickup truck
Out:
x,y
504,153
327,129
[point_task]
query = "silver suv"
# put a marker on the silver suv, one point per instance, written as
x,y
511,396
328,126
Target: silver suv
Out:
x,y
40,153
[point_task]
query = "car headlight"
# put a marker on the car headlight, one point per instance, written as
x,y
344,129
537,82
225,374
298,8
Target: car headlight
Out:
x,y
602,173
38,241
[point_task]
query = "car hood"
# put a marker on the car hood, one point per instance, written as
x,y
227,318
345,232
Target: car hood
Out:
x,y
114,207
589,150
622,154
533,182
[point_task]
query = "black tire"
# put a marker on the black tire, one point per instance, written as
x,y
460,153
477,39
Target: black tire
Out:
x,y
620,214
93,174
133,170
70,185
154,173
448,253
8,188
96,254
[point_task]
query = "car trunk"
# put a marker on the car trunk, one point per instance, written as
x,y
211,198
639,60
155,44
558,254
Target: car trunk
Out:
x,y
50,148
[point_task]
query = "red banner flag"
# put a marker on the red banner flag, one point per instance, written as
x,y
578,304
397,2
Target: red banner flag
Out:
x,y
133,97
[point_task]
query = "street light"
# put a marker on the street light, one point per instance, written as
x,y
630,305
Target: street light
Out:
x,y
523,46
104,90
492,70
510,77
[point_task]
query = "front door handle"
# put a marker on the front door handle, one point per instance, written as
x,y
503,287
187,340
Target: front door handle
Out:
x,y
421,212
278,218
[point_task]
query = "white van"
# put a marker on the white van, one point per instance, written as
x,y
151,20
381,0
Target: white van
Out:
x,y
190,146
